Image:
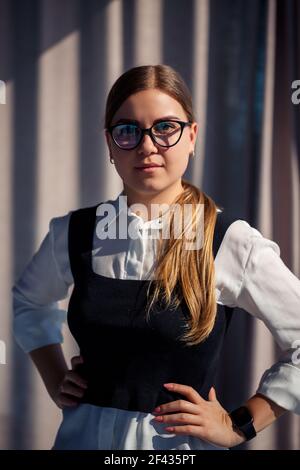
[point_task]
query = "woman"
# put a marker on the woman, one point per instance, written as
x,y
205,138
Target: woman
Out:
x,y
149,350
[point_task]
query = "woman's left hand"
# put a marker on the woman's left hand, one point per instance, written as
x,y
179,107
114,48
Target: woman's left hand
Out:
x,y
206,419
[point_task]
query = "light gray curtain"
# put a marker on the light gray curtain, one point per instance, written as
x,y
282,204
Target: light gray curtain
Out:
x,y
58,59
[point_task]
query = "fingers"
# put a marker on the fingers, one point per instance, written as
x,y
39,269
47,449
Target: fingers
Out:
x,y
65,400
76,360
76,378
212,396
69,394
71,389
189,429
189,392
178,405
180,418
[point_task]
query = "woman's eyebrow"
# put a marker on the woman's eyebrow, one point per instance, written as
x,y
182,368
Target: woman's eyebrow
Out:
x,y
134,121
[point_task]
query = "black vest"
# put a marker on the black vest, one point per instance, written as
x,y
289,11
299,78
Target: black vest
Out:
x,y
127,359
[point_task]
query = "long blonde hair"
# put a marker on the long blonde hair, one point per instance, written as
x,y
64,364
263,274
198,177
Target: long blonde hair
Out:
x,y
179,274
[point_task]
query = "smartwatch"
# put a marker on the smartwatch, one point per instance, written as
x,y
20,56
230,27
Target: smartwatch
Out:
x,y
243,421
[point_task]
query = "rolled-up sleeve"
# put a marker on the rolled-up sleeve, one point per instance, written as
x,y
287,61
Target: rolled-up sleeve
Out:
x,y
262,285
37,318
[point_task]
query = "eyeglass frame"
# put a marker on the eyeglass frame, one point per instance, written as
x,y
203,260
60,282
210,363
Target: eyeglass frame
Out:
x,y
148,131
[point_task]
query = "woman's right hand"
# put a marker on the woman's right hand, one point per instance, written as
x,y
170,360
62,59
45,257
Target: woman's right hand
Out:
x,y
72,387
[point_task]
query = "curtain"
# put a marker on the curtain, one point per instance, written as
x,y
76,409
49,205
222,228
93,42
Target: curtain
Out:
x,y
58,60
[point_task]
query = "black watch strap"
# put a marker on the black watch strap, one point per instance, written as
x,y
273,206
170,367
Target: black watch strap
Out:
x,y
243,421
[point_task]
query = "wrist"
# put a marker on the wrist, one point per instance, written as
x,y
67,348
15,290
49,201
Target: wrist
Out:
x,y
51,365
237,437
242,422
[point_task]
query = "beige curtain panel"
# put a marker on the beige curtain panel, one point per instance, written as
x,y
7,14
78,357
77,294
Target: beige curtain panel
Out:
x,y
58,59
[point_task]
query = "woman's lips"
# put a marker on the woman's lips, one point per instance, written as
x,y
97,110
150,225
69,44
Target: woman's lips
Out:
x,y
148,169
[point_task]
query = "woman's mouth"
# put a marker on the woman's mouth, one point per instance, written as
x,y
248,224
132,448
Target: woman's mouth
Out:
x,y
148,168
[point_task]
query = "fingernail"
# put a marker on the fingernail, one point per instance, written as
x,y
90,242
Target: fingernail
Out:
x,y
168,385
157,409
158,418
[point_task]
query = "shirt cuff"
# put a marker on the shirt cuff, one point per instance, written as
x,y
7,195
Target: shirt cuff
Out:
x,y
281,383
40,327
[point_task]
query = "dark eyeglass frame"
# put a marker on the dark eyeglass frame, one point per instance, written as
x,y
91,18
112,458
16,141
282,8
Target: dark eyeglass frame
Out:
x,y
148,131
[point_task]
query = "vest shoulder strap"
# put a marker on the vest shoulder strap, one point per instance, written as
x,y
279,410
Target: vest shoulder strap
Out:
x,y
224,220
80,236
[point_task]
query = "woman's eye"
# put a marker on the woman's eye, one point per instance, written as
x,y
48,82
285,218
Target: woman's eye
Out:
x,y
127,130
164,127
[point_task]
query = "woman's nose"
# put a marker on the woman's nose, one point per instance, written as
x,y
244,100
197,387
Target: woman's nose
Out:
x,y
147,145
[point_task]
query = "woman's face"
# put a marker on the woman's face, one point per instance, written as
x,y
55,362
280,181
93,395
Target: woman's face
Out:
x,y
144,108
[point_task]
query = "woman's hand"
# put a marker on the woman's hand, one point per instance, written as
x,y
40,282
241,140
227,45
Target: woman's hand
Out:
x,y
198,417
72,387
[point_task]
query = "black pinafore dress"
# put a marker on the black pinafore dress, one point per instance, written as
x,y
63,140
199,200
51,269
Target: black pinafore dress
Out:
x,y
127,359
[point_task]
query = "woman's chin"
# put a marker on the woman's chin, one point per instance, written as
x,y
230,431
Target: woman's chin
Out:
x,y
147,185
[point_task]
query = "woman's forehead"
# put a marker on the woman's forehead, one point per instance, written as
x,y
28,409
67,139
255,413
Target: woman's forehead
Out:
x,y
149,105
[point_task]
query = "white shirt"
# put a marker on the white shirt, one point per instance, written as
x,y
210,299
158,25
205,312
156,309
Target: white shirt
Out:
x,y
249,274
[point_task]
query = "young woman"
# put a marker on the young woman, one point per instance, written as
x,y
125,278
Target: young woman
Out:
x,y
153,293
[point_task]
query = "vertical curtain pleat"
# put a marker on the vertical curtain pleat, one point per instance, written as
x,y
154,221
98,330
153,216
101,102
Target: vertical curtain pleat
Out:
x,y
59,59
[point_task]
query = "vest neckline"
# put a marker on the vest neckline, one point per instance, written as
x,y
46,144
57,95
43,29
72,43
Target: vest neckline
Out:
x,y
89,264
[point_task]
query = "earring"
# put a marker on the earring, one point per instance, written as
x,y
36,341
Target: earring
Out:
x,y
192,154
111,160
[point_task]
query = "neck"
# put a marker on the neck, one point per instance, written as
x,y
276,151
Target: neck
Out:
x,y
152,200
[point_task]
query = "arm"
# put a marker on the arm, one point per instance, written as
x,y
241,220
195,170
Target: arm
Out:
x,y
37,319
250,275
51,364
260,283
208,420
263,410
65,387
271,293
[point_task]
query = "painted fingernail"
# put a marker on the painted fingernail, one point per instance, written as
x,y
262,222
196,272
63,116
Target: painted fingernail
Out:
x,y
157,409
168,385
169,429
158,418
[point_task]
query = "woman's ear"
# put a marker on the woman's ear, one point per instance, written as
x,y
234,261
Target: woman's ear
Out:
x,y
193,134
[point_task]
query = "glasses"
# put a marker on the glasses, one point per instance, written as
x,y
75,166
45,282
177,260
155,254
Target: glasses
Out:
x,y
128,136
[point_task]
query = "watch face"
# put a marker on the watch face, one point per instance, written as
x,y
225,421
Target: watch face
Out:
x,y
241,416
